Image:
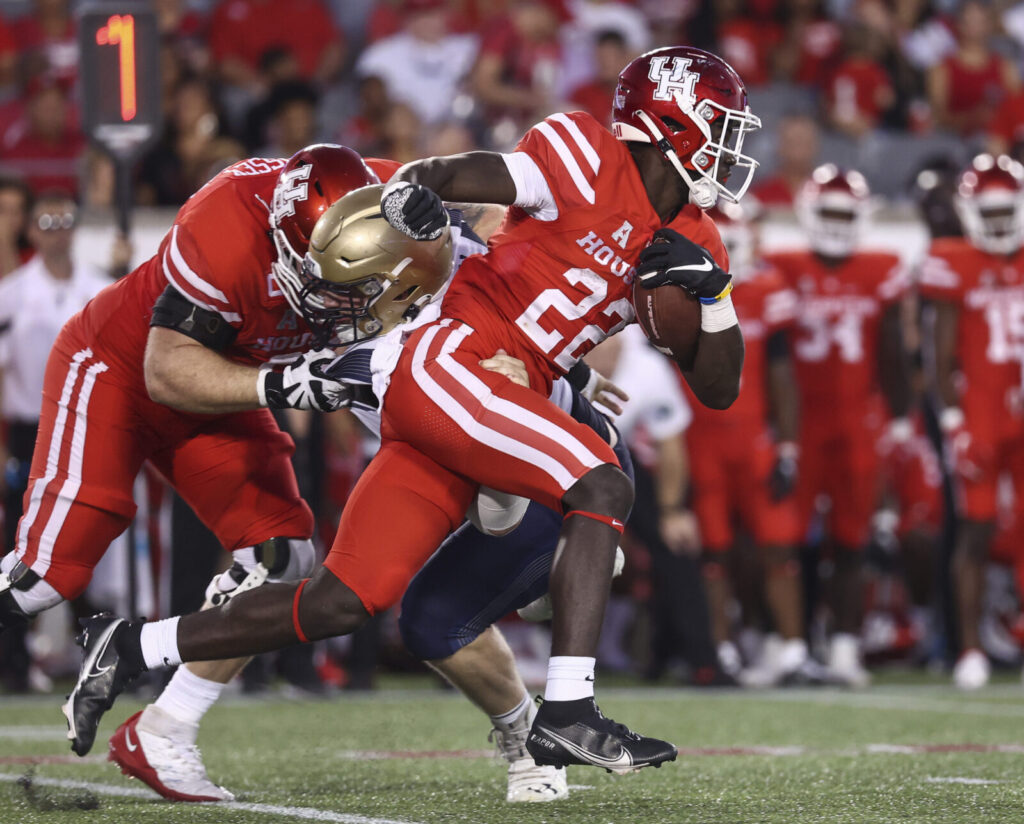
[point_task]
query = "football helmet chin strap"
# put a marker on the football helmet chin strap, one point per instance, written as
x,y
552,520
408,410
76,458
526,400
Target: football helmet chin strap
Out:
x,y
703,193
23,593
276,559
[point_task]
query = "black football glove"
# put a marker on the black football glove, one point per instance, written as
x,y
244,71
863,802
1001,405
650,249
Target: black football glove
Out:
x,y
684,263
304,384
782,481
414,210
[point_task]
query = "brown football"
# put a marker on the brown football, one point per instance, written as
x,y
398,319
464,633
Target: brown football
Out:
x,y
670,317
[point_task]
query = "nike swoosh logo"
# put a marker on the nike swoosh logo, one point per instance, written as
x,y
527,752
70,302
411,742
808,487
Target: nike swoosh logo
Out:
x,y
128,741
95,671
622,759
618,524
706,266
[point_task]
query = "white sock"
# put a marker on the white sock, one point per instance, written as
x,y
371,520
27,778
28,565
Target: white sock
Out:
x,y
569,677
188,697
159,641
514,717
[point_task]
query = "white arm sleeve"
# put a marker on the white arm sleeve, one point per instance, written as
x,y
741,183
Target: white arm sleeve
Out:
x,y
533,194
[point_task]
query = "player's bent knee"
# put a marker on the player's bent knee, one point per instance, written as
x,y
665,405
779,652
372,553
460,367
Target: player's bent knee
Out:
x,y
327,607
23,593
424,637
605,490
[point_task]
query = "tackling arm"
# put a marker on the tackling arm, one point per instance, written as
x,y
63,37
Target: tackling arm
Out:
x,y
184,374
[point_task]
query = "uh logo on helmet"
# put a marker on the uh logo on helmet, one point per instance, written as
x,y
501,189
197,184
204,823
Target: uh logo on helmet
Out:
x,y
692,106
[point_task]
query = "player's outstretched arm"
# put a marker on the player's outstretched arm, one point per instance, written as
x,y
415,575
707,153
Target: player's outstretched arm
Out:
x,y
473,177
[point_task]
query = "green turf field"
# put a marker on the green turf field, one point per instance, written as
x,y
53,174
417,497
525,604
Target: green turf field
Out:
x,y
895,753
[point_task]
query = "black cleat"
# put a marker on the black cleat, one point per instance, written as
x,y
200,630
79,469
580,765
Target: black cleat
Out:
x,y
103,676
575,732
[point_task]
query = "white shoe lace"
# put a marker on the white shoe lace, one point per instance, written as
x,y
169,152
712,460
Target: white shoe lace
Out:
x,y
510,744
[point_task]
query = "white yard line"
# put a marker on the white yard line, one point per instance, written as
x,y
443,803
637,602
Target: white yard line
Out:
x,y
307,813
956,779
33,733
956,705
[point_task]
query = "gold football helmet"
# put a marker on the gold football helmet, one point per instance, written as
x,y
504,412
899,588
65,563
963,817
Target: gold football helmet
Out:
x,y
361,277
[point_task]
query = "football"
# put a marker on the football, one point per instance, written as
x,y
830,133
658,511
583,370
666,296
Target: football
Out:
x,y
670,317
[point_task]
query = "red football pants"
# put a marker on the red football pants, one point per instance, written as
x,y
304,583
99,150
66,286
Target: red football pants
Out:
x,y
448,426
730,471
845,468
97,427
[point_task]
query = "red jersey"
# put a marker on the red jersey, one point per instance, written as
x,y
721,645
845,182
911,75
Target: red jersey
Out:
x,y
217,254
835,343
971,88
554,288
989,292
764,305
857,89
246,29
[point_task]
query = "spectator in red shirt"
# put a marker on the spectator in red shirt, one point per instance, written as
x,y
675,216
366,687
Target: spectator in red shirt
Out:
x,y
47,39
744,41
796,156
518,65
45,147
860,89
967,87
8,54
611,54
1006,131
810,44
241,31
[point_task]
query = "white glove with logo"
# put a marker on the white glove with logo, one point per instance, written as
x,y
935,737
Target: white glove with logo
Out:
x,y
303,384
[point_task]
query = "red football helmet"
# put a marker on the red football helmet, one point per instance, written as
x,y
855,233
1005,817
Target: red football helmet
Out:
x,y
308,184
990,202
737,225
833,207
693,107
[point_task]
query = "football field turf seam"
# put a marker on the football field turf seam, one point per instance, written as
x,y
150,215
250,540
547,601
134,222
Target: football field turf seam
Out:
x,y
305,813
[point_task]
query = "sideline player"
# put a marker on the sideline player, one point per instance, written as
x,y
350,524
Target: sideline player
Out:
x,y
977,286
581,199
848,356
744,462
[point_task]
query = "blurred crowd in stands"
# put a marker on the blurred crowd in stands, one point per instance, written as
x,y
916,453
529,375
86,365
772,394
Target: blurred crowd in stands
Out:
x,y
905,91
410,78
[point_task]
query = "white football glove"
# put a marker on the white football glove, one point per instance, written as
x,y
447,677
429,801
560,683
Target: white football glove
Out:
x,y
303,384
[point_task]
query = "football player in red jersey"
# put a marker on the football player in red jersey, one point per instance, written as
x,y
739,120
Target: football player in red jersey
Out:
x,y
172,364
556,281
977,286
744,460
847,352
